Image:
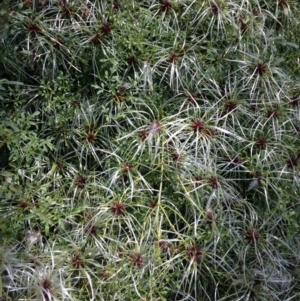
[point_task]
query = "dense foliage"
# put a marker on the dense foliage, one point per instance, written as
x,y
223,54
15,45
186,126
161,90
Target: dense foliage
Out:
x,y
150,150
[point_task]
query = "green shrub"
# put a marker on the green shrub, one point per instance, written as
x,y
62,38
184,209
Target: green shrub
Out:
x,y
150,150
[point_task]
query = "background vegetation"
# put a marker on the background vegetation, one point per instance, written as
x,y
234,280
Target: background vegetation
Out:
x,y
149,150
